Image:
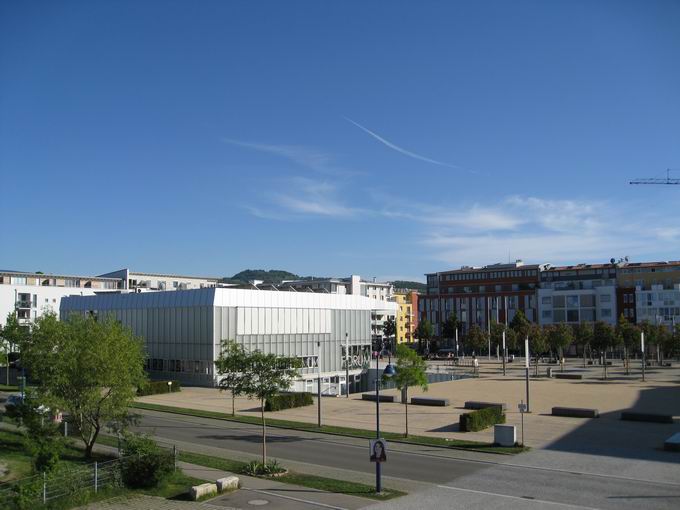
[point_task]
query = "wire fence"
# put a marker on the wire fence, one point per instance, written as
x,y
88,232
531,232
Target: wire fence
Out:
x,y
70,482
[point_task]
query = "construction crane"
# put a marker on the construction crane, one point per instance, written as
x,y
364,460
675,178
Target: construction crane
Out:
x,y
656,180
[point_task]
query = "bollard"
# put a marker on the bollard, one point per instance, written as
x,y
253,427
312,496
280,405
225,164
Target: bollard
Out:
x,y
96,473
44,487
174,456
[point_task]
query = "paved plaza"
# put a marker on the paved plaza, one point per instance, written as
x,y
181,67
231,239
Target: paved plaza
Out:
x,y
660,393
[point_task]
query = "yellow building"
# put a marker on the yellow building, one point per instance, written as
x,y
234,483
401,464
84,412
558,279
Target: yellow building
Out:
x,y
407,315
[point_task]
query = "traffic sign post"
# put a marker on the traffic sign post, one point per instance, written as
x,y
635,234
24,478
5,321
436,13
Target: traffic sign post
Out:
x,y
522,409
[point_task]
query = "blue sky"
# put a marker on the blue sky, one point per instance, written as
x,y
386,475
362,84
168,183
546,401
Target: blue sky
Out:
x,y
387,139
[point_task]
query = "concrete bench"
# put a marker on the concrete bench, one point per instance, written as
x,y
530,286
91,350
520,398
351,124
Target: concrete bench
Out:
x,y
429,401
228,483
560,375
473,404
205,489
650,417
575,412
672,444
372,398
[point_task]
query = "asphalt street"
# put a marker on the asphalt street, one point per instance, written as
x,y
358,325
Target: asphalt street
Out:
x,y
455,478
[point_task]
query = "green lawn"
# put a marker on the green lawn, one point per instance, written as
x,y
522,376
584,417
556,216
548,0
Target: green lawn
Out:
x,y
4,387
13,453
460,444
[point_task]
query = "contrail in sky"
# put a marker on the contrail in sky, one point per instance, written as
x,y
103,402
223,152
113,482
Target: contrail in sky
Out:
x,y
399,149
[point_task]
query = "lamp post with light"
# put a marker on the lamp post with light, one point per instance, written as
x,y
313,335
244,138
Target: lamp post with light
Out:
x,y
388,372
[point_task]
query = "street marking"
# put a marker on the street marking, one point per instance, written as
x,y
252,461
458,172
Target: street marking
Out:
x,y
299,500
520,498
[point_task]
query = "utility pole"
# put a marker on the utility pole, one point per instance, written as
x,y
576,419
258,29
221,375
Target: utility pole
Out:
x,y
347,363
526,368
318,390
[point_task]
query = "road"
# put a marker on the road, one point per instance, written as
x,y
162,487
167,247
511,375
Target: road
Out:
x,y
453,476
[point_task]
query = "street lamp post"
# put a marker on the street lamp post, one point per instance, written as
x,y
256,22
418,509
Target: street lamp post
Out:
x,y
388,372
318,388
347,363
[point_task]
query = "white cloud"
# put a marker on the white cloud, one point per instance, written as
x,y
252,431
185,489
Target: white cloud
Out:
x,y
544,230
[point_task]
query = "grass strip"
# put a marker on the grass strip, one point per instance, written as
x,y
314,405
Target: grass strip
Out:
x,y
312,481
459,444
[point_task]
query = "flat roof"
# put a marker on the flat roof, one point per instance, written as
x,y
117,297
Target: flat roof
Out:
x,y
52,275
165,275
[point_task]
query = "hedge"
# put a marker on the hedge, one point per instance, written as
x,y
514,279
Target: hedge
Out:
x,y
288,401
479,420
156,387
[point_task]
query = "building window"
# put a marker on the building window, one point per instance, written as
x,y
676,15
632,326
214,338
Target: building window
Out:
x,y
572,315
605,298
572,301
18,280
546,300
606,312
558,301
546,314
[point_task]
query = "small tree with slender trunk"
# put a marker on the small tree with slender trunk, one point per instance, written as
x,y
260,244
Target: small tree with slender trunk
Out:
x,y
231,366
628,335
267,376
390,330
604,337
476,338
560,336
449,328
424,332
583,336
537,342
410,372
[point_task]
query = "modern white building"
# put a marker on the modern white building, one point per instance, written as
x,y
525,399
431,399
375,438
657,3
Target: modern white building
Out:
x,y
354,286
32,294
183,330
136,281
575,294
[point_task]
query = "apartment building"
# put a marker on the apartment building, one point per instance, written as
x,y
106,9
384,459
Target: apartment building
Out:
x,y
407,315
480,295
575,294
33,294
140,282
650,291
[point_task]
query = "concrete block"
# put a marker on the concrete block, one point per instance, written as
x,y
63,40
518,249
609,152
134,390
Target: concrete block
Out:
x,y
428,401
371,397
228,483
205,489
575,412
505,435
566,375
651,417
672,444
474,404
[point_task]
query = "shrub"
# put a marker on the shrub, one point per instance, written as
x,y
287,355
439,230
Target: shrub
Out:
x,y
288,401
157,387
256,468
481,419
144,464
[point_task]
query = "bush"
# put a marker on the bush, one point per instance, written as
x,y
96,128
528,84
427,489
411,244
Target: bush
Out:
x,y
288,401
144,463
157,387
479,420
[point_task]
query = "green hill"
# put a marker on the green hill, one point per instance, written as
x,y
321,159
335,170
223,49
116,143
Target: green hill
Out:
x,y
404,284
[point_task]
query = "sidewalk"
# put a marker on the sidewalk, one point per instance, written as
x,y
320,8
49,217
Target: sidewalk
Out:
x,y
277,495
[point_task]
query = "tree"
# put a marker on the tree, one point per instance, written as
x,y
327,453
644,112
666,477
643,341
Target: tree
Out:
x,y
390,330
628,335
410,372
497,334
231,365
89,368
267,375
559,337
604,337
450,327
424,332
11,335
676,341
664,337
583,336
476,338
520,325
537,342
